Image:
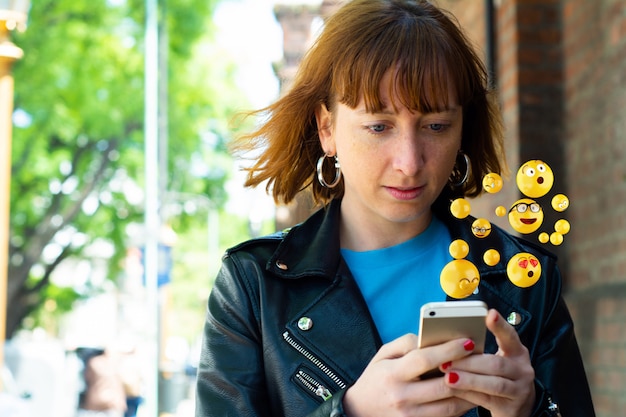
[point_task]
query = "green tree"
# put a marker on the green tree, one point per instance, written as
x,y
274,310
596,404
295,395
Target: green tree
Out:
x,y
189,290
78,138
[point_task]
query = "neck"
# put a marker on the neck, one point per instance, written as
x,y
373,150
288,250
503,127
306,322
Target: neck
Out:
x,y
383,234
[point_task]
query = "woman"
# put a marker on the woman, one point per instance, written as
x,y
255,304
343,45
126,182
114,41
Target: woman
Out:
x,y
388,120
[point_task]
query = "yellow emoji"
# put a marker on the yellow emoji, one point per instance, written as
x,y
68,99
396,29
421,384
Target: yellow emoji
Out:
x,y
525,216
523,269
560,202
492,183
556,238
460,208
459,278
481,228
535,178
500,211
491,257
458,249
562,226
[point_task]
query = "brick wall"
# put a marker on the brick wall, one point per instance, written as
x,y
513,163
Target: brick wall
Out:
x,y
594,44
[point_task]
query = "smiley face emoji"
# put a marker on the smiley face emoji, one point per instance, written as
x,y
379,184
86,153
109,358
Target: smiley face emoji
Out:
x,y
560,202
523,269
534,178
481,228
459,278
525,216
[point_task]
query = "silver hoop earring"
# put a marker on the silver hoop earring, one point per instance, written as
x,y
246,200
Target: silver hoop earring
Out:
x,y
320,172
458,178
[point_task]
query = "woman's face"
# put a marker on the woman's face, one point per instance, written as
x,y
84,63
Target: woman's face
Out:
x,y
394,163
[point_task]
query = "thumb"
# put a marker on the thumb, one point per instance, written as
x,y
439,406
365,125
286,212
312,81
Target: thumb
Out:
x,y
507,338
397,348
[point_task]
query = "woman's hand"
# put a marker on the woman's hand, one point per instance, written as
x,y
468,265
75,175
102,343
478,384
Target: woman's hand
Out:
x,y
391,384
502,383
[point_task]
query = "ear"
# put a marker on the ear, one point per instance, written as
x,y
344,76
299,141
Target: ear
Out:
x,y
324,120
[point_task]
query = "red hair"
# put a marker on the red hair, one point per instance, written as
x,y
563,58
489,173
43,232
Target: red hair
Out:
x,y
360,42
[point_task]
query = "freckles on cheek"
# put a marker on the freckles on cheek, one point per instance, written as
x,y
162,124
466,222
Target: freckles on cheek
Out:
x,y
351,153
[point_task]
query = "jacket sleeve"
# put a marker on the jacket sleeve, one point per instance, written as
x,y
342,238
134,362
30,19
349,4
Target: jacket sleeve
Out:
x,y
230,380
331,408
559,370
560,378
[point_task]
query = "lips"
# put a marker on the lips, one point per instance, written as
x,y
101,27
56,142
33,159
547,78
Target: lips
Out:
x,y
528,221
405,193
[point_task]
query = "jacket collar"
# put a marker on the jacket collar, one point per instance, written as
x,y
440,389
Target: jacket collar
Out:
x,y
312,248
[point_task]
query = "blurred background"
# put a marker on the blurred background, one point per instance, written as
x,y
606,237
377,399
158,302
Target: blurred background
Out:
x,y
118,194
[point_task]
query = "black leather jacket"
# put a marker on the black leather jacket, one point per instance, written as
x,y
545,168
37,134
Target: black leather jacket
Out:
x,y
287,330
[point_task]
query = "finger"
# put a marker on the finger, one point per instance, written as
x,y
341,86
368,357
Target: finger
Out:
x,y
433,392
397,348
447,407
506,337
418,362
479,388
499,395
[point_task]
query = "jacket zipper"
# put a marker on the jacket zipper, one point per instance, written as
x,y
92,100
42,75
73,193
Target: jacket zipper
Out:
x,y
317,362
315,387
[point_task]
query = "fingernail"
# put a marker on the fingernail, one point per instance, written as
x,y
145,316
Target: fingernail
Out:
x,y
446,365
453,377
469,345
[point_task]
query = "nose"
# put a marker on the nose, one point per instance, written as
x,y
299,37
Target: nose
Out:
x,y
408,154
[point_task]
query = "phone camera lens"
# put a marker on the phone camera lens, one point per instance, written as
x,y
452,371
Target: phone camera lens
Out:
x,y
432,313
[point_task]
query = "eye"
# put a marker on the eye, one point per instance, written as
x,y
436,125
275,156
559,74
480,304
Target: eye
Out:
x,y
436,127
541,168
464,283
530,172
521,208
377,128
535,208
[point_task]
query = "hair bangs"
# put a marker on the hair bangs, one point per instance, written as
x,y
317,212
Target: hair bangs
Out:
x,y
431,72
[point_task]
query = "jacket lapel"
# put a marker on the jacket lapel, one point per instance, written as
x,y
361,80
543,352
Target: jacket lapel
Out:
x,y
341,333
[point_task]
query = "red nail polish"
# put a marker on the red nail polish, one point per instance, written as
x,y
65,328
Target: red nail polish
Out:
x,y
446,365
469,345
453,377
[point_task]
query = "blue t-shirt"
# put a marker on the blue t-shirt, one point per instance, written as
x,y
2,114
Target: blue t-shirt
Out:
x,y
398,280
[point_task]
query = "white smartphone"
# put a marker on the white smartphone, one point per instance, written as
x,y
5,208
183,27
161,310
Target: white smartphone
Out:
x,y
447,320
443,321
